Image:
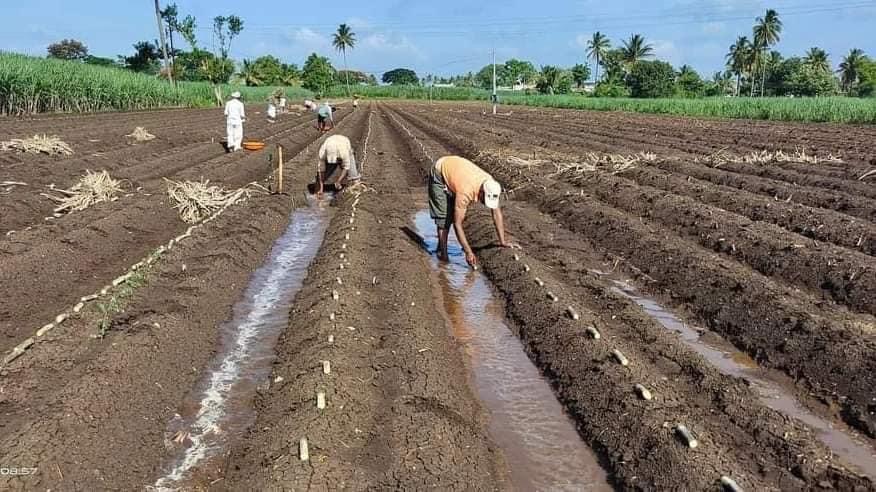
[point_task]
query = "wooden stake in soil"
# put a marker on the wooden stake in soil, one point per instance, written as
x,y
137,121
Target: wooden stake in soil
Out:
x,y
730,485
643,392
573,313
279,169
303,451
619,356
686,434
592,332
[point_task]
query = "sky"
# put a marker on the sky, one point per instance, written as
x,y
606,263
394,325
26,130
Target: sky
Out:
x,y
451,36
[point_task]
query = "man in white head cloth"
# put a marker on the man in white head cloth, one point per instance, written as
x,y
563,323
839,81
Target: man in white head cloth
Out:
x,y
235,116
454,184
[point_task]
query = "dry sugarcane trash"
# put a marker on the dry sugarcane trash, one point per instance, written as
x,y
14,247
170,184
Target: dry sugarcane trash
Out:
x,y
38,145
199,200
93,188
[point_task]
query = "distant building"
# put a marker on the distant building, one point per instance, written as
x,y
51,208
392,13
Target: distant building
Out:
x,y
444,85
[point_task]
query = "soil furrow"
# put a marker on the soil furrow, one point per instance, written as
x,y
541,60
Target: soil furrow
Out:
x,y
837,273
690,389
825,350
85,258
855,206
87,406
816,223
399,414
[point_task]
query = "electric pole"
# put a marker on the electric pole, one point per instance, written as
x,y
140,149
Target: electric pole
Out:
x,y
167,66
495,99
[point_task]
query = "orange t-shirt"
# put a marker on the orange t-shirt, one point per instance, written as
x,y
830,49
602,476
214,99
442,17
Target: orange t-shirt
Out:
x,y
463,178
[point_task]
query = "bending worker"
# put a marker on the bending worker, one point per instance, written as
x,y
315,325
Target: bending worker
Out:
x,y
234,118
454,184
324,116
336,156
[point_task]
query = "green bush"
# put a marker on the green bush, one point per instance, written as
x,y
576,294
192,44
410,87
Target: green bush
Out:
x,y
651,79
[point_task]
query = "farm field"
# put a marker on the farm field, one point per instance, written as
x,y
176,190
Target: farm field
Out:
x,y
735,282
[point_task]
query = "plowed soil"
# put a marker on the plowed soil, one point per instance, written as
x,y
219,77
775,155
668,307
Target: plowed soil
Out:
x,y
773,260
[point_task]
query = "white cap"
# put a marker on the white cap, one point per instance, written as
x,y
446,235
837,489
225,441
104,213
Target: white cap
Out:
x,y
492,190
235,95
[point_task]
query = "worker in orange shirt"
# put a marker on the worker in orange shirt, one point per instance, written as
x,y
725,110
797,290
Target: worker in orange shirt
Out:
x,y
454,184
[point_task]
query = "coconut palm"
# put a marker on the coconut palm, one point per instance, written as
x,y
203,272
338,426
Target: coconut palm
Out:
x,y
249,75
636,49
850,68
818,59
738,58
343,40
596,48
767,32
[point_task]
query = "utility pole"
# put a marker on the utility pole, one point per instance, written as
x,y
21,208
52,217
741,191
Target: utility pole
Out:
x,y
495,99
167,65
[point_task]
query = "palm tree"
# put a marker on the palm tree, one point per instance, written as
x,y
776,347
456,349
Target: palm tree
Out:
x,y
817,59
767,32
850,68
738,58
550,78
596,48
345,39
249,74
636,49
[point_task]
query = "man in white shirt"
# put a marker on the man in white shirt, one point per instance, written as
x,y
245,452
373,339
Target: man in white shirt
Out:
x,y
234,118
336,154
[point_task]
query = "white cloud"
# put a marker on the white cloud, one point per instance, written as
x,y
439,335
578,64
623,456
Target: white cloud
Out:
x,y
311,40
713,28
386,43
358,23
667,51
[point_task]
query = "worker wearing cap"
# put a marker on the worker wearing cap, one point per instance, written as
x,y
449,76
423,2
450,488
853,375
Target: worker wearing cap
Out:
x,y
454,184
336,154
234,118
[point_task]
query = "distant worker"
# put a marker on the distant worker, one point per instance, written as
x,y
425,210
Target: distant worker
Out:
x,y
355,103
272,111
235,116
282,104
336,156
325,117
454,184
309,105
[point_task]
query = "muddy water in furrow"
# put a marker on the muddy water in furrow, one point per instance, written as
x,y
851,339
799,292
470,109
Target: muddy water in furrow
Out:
x,y
540,443
221,408
839,439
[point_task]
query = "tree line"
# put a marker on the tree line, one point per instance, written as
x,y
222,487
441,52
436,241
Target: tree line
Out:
x,y
752,68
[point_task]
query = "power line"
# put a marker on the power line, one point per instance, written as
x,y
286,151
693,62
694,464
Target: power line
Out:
x,y
659,17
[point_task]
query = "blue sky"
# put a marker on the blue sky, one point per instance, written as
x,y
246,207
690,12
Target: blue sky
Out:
x,y
452,36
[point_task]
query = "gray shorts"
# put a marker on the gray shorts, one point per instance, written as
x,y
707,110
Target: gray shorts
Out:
x,y
441,201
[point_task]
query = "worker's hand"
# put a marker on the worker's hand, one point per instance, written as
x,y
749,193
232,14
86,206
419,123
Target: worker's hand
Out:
x,y
510,245
472,260
319,195
339,186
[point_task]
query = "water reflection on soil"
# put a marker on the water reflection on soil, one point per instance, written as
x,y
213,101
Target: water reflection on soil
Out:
x,y
541,445
221,410
735,363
